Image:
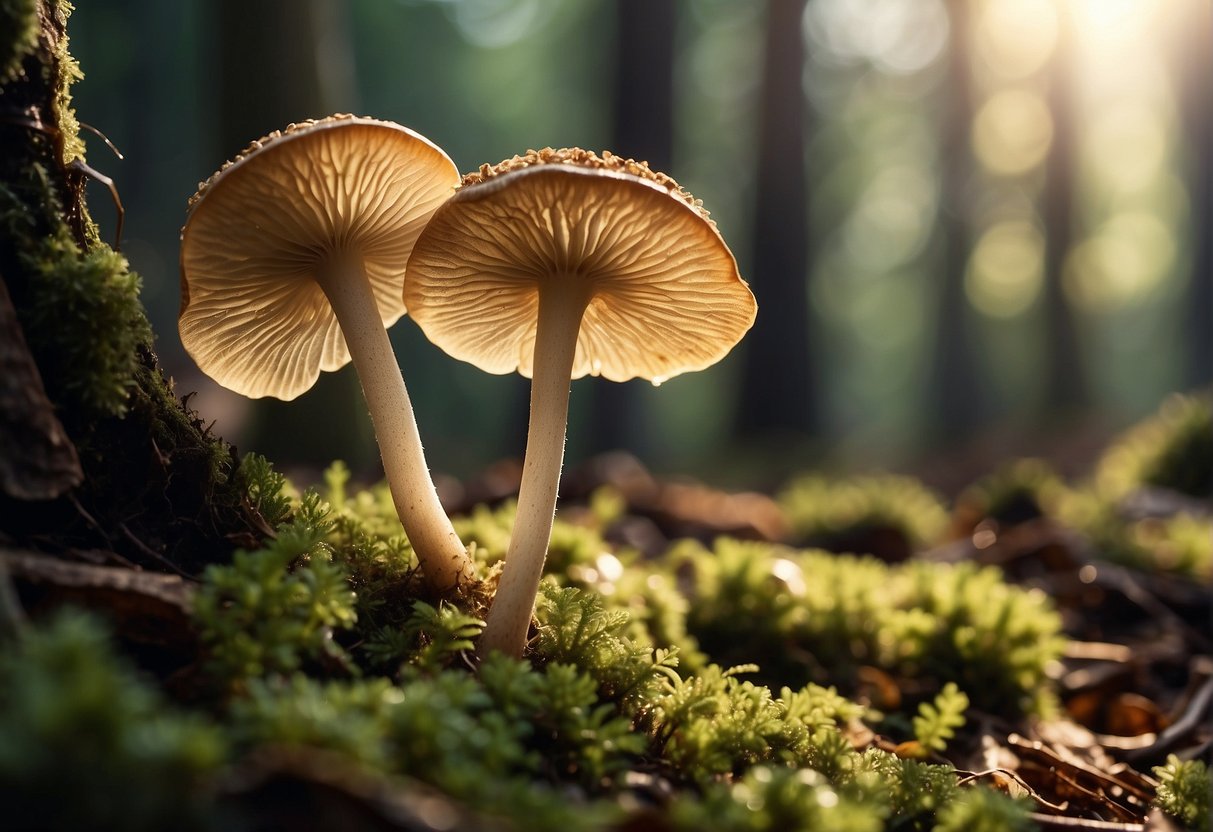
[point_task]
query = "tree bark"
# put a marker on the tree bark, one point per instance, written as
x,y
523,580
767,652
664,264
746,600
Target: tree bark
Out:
x,y
278,61
779,384
1066,385
157,489
282,61
37,459
957,400
643,130
1197,109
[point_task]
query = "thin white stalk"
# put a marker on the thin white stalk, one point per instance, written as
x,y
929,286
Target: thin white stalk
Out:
x,y
562,302
444,559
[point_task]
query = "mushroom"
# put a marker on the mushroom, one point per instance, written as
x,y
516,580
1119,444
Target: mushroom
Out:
x,y
558,264
292,260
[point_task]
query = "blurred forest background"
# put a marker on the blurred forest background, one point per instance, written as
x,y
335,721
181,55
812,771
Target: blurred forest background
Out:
x,y
974,227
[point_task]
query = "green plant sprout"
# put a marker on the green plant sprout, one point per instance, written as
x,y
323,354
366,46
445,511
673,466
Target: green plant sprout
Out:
x,y
937,721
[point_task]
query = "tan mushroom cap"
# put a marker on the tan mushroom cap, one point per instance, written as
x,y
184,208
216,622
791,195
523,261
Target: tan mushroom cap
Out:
x,y
666,294
252,315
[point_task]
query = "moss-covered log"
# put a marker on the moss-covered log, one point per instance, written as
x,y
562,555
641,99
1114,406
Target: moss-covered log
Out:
x,y
157,489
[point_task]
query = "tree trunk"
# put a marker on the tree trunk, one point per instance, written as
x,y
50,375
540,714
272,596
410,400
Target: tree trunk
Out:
x,y
281,61
643,130
956,393
154,488
1066,390
779,382
1197,108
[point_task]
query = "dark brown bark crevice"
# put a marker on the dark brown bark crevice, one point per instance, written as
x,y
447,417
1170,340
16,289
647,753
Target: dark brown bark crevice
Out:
x,y
37,459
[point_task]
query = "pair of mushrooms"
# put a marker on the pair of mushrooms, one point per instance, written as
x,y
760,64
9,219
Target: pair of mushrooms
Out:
x,y
297,255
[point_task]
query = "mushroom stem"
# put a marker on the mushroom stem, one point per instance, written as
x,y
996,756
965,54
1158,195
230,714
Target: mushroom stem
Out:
x,y
562,303
444,559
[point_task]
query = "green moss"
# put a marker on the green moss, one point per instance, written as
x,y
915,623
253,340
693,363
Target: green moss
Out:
x,y
84,325
578,628
1182,544
157,486
803,614
323,639
1183,792
79,310
914,791
985,810
1018,492
1173,449
271,610
265,489
429,639
19,25
771,799
88,744
937,721
69,73
348,718
513,741
886,515
335,594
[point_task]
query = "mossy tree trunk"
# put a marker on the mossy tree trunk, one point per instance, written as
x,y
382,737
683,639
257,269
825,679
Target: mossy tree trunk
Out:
x,y
153,488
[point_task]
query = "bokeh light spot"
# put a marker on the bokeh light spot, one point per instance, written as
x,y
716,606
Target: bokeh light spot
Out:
x,y
893,219
495,24
1012,132
1111,20
1127,145
1006,269
1016,37
900,37
1125,260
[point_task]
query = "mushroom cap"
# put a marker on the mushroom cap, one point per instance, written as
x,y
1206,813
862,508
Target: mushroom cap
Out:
x,y
253,316
665,294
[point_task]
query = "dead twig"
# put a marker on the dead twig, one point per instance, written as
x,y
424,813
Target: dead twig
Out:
x,y
32,121
103,138
1046,757
1194,716
93,173
996,773
150,552
1059,822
